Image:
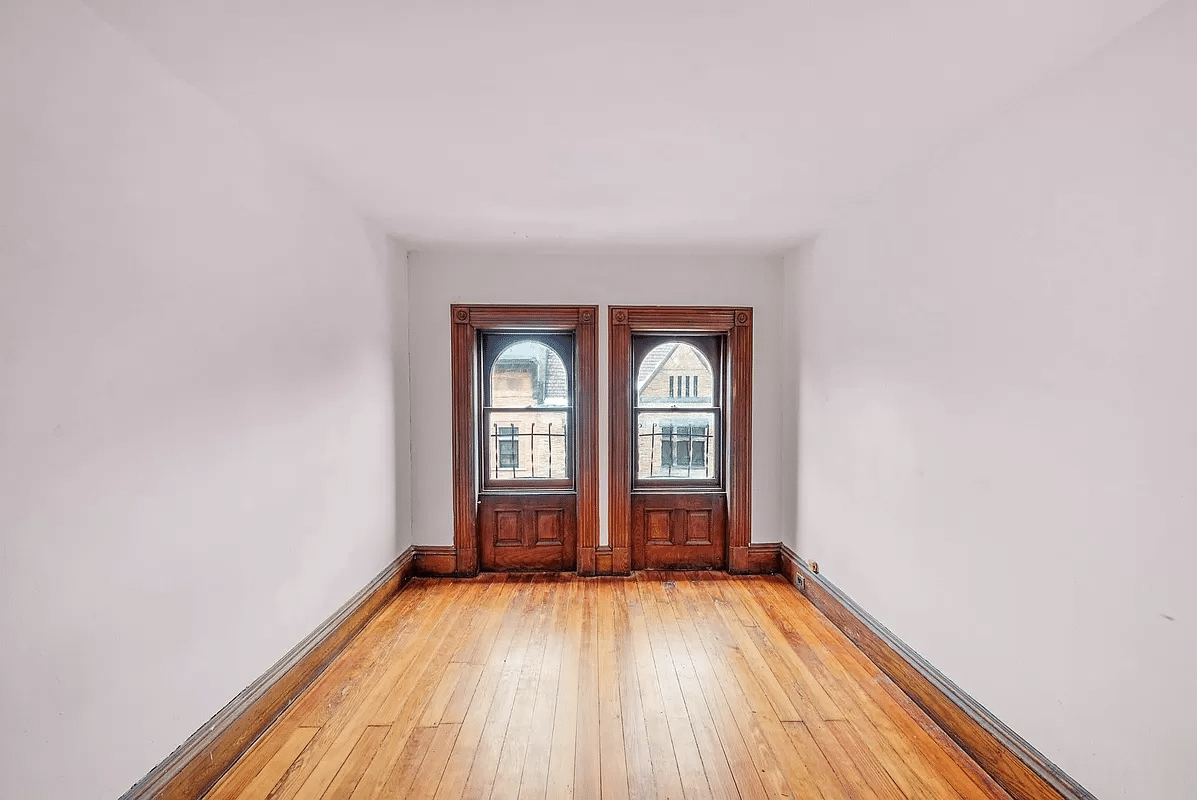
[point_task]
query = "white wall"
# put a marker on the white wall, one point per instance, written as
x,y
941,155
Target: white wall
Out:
x,y
196,444
790,282
998,387
401,381
439,278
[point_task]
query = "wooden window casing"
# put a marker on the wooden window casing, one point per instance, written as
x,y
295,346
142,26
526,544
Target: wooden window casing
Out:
x,y
468,322
736,325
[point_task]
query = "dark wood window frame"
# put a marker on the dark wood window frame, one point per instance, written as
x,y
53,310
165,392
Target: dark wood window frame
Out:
x,y
736,324
468,321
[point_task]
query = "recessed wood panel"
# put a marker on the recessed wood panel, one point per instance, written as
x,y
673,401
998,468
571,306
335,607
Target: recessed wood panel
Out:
x,y
679,531
698,527
507,528
550,526
528,532
658,524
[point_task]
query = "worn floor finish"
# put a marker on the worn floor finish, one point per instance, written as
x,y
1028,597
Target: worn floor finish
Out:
x,y
671,685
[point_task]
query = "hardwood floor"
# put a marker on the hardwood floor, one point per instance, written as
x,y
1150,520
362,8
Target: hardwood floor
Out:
x,y
670,685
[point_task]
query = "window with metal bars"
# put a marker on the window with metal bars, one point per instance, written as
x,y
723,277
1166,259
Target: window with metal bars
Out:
x,y
677,409
527,410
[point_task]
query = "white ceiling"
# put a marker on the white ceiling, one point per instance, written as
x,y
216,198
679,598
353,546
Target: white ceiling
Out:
x,y
681,123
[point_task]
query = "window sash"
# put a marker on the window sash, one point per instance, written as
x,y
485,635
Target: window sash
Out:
x,y
678,455
534,455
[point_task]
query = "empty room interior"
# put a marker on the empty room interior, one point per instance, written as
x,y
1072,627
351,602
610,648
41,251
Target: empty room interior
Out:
x,y
598,399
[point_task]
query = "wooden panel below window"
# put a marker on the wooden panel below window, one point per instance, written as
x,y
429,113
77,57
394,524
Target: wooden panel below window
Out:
x,y
528,532
679,531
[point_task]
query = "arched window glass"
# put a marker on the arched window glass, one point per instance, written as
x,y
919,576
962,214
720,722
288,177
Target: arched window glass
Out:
x,y
677,410
529,373
528,408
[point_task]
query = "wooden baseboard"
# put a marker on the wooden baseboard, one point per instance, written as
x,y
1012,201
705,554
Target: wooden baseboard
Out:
x,y
441,561
1018,767
755,559
603,560
436,560
195,766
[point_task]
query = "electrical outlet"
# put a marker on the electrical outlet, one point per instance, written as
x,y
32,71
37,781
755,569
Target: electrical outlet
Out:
x,y
800,581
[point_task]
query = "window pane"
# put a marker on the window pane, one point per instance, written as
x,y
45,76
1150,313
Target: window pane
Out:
x,y
674,374
529,374
527,444
676,445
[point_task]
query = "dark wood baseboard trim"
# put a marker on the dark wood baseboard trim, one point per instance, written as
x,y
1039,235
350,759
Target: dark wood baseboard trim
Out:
x,y
604,560
761,558
1018,767
442,561
755,559
588,561
199,762
439,561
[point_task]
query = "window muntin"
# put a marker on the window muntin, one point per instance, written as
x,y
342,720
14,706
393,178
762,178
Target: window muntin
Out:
x,y
677,410
527,412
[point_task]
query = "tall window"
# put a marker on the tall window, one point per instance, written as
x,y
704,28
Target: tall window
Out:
x,y
527,412
678,415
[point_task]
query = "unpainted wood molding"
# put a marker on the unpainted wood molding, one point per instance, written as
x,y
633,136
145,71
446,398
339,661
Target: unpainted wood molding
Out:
x,y
736,324
436,561
198,763
758,558
1014,764
467,320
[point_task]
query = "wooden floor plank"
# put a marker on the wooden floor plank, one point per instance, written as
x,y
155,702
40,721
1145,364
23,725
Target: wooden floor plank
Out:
x,y
756,721
563,750
351,771
587,754
895,714
848,701
331,745
665,771
535,775
612,755
748,776
493,658
401,776
489,748
273,770
552,687
432,766
715,764
642,783
518,736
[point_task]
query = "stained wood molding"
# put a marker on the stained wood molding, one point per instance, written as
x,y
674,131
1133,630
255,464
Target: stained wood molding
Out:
x,y
1018,767
736,323
602,559
435,561
467,321
199,762
758,558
